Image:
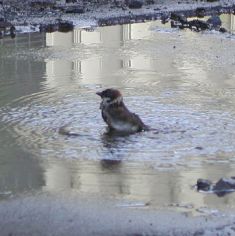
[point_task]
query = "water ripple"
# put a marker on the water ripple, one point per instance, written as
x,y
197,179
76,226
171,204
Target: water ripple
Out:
x,y
180,134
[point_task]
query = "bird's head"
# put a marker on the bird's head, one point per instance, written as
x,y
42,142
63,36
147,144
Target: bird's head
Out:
x,y
110,96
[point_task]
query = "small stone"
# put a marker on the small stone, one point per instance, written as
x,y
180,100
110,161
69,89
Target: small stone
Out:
x,y
49,28
200,12
214,21
222,30
204,184
71,1
65,26
225,184
149,2
135,4
74,10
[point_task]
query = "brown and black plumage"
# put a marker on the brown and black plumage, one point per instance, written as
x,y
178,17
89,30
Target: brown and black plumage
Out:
x,y
116,114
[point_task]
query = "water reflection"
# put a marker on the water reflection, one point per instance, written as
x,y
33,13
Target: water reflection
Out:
x,y
133,181
114,35
19,78
19,172
169,74
138,63
228,22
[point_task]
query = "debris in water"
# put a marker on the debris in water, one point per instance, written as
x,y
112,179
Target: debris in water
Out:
x,y
220,188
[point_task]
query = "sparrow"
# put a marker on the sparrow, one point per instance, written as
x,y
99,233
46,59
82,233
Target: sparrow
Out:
x,y
116,114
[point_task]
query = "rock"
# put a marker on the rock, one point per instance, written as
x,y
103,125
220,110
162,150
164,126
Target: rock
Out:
x,y
66,130
65,26
110,164
149,2
200,12
12,31
4,25
174,24
74,10
204,185
71,1
7,28
198,25
134,4
61,26
42,3
225,184
215,22
220,188
222,30
181,22
165,18
178,21
48,28
178,17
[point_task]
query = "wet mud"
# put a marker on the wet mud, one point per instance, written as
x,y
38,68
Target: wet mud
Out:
x,y
51,16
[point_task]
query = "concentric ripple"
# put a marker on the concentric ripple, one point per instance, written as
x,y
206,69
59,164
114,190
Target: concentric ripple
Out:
x,y
181,136
180,83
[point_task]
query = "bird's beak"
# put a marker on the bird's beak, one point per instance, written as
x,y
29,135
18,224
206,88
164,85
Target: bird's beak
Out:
x,y
99,94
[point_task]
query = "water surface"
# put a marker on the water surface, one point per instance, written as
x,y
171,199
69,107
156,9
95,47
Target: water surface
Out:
x,y
180,82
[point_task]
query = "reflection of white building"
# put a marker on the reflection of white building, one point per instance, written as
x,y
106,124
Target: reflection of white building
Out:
x,y
29,40
97,68
104,63
138,183
111,35
228,22
59,39
93,67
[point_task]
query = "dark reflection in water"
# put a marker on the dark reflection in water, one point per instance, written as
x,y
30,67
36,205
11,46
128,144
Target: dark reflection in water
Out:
x,y
112,165
19,78
19,171
180,82
112,140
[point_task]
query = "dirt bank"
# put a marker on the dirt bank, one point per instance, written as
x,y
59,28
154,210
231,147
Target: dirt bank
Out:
x,y
49,15
73,214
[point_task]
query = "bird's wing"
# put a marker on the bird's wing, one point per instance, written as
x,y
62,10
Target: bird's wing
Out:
x,y
124,115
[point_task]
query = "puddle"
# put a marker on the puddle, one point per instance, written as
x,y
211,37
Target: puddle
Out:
x,y
179,82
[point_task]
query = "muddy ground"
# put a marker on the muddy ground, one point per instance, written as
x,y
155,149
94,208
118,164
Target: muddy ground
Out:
x,y
72,214
51,15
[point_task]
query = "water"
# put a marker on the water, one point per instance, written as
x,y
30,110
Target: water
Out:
x,y
179,82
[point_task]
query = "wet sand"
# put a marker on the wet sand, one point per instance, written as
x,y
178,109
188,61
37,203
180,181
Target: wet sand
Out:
x,y
60,213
